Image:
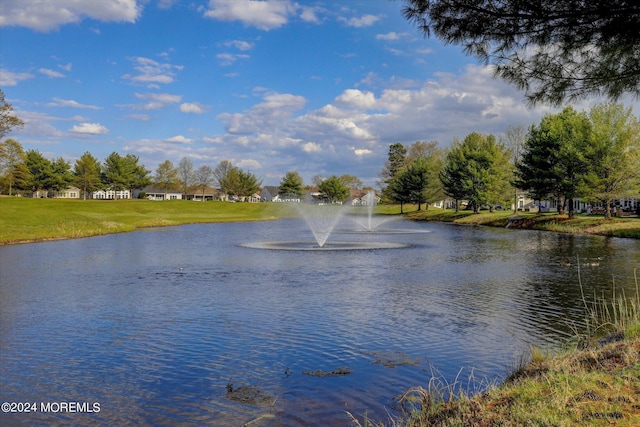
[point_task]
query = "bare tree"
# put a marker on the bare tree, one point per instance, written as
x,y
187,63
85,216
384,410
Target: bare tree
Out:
x,y
186,174
514,139
221,174
204,177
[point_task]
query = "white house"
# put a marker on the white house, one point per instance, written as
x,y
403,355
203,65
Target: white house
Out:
x,y
111,194
69,193
208,193
156,193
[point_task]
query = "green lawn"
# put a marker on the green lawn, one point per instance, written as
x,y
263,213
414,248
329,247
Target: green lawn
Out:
x,y
580,224
25,220
28,220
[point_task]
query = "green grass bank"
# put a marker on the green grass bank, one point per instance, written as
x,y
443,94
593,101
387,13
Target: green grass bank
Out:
x,y
597,384
32,220
594,381
580,224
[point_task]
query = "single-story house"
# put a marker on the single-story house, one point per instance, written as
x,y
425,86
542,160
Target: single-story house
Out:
x,y
157,193
205,194
69,193
362,198
111,194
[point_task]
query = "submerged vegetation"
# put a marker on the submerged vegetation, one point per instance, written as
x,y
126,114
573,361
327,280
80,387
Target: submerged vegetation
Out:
x,y
595,381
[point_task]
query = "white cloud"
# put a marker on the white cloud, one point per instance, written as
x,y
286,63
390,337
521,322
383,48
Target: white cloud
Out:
x,y
361,152
179,139
164,98
425,51
7,78
392,36
238,44
227,59
37,126
364,21
275,109
50,73
156,100
71,104
141,117
166,4
150,71
192,107
249,164
355,98
311,147
262,14
310,14
90,129
51,14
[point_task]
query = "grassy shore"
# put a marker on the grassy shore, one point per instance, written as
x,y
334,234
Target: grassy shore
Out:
x,y
32,220
580,224
595,381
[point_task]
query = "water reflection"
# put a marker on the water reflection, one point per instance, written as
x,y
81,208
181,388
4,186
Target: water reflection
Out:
x,y
156,325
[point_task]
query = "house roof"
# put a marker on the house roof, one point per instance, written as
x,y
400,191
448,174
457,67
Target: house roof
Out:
x,y
208,191
152,189
272,190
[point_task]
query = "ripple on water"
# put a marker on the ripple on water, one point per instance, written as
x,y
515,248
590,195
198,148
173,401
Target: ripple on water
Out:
x,y
155,326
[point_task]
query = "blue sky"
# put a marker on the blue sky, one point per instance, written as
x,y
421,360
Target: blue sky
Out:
x,y
319,87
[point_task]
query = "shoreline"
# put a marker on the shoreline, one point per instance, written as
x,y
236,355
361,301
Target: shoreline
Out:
x,y
24,221
596,225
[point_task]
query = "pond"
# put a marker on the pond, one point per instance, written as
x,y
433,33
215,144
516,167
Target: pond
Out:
x,y
189,326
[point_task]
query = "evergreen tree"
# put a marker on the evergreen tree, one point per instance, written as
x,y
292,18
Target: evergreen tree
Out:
x,y
434,159
249,183
553,159
116,173
333,190
166,176
139,176
241,183
40,171
555,50
124,173
477,170
452,174
291,185
395,162
61,176
87,174
398,189
416,179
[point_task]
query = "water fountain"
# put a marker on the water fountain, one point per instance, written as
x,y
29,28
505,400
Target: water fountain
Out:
x,y
322,220
371,223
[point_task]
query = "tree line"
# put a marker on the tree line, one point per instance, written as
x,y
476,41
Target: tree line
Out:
x,y
30,171
594,156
